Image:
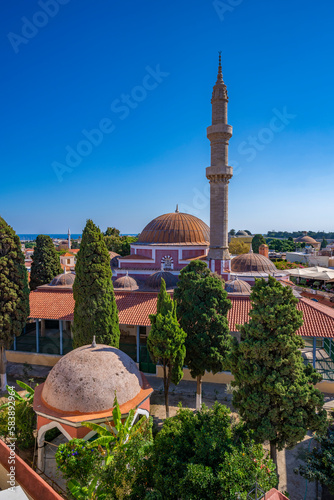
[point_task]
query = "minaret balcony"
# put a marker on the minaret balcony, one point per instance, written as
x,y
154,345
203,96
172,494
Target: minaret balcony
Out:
x,y
220,129
219,173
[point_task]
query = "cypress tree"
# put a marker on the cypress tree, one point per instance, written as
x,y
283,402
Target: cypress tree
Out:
x,y
166,341
95,311
275,392
202,307
46,264
258,239
14,292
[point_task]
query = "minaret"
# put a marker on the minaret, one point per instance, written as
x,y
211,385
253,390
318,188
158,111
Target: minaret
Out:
x,y
69,239
219,175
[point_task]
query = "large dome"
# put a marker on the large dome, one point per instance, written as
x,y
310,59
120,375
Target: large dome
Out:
x,y
252,262
176,228
306,239
85,380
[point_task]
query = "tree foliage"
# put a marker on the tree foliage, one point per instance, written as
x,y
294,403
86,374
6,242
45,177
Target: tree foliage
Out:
x,y
166,340
258,239
324,243
275,392
46,264
25,417
114,458
14,291
295,234
202,307
237,246
95,311
201,456
319,462
115,242
78,462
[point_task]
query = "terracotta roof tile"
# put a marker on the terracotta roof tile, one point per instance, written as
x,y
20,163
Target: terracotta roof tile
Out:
x,y
52,305
135,307
135,256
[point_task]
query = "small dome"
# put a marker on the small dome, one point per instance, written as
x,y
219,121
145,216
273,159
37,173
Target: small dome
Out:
x,y
176,228
85,380
252,262
65,279
238,287
154,281
242,233
126,282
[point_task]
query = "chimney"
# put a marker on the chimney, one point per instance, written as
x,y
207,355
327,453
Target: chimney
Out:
x,y
264,250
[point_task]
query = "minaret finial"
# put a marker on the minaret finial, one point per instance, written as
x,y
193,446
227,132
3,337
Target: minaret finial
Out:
x,y
220,72
94,342
177,208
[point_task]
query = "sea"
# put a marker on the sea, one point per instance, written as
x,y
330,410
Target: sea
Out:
x,y
32,237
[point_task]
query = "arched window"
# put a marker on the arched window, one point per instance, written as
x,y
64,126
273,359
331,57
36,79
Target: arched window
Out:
x,y
167,263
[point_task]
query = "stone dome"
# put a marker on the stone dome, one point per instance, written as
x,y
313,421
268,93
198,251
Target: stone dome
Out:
x,y
242,233
177,229
65,279
154,280
85,380
238,287
252,262
307,239
126,282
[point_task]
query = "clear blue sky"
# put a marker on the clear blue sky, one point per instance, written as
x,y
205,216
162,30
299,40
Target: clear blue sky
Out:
x,y
63,76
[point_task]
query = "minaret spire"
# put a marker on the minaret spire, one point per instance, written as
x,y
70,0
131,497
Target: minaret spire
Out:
x,y
219,174
220,72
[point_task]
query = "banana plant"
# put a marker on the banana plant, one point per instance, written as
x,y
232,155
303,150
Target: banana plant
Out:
x,y
27,398
91,492
115,434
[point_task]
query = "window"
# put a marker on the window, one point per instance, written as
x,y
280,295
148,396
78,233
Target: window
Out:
x,y
167,263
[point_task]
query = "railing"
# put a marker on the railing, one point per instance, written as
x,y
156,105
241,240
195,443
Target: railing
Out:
x,y
329,348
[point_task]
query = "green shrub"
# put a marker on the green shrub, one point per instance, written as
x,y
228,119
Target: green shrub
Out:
x,y
78,462
202,456
25,417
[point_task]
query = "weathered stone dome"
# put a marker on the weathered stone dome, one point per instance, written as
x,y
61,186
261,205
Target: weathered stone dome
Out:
x,y
252,262
176,228
238,287
126,282
65,279
242,233
154,280
307,239
85,380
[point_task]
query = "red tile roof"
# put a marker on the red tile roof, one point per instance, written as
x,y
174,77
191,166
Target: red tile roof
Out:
x,y
135,307
135,256
52,305
73,250
274,494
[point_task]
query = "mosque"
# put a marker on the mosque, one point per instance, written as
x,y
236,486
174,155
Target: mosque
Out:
x,y
165,246
169,242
